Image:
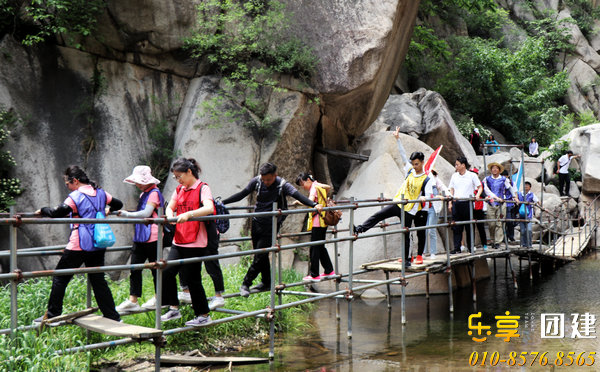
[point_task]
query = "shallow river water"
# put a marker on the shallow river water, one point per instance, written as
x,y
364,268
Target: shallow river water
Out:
x,y
434,340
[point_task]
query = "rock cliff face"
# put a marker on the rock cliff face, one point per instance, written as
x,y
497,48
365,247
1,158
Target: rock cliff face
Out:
x,y
94,107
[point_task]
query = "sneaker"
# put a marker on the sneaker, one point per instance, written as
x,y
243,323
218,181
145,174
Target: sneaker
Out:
x,y
39,320
127,306
216,302
199,320
309,278
330,275
172,314
261,287
150,304
432,256
244,291
185,297
474,249
408,264
463,248
485,248
418,260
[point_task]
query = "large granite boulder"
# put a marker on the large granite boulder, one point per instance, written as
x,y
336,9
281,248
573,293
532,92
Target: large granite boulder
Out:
x,y
360,46
425,114
68,121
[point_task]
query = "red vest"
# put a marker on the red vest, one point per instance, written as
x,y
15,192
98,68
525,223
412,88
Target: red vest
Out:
x,y
187,200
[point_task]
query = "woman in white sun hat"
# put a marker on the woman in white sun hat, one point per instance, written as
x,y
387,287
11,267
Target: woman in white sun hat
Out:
x,y
146,235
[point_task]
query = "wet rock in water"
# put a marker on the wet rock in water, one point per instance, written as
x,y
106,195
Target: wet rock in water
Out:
x,y
372,294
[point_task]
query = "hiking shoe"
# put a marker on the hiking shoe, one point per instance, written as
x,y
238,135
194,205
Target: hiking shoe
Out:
x,y
172,314
185,297
310,278
150,304
261,287
216,302
330,275
199,320
418,260
485,248
127,306
244,291
408,264
39,320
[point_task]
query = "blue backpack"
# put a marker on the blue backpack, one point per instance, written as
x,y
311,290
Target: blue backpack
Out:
x,y
222,224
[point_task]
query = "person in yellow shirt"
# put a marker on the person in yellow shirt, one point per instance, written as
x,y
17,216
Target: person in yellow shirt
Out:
x,y
415,186
317,227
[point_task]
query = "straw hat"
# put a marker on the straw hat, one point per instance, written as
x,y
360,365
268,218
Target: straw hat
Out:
x,y
141,175
500,166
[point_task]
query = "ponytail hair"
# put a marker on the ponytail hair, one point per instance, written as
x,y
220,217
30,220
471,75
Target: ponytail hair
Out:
x,y
74,172
182,165
304,177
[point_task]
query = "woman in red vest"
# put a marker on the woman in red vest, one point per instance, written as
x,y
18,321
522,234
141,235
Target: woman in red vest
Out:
x,y
192,198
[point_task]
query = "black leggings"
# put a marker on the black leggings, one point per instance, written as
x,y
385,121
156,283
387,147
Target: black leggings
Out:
x,y
318,253
193,275
420,219
140,253
73,259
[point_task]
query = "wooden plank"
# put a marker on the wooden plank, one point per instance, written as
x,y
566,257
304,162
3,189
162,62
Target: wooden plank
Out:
x,y
111,327
71,316
191,360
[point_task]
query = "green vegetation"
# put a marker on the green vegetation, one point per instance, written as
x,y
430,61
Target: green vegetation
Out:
x,y
10,187
248,44
41,19
510,86
32,352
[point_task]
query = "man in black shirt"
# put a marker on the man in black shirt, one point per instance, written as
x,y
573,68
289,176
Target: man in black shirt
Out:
x,y
270,189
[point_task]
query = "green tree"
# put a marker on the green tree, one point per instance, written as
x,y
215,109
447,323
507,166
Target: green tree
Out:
x,y
37,20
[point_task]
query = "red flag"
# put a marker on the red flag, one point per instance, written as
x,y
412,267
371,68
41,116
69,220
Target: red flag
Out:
x,y
431,161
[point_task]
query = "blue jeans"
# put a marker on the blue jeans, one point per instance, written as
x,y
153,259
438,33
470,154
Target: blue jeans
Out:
x,y
526,234
432,219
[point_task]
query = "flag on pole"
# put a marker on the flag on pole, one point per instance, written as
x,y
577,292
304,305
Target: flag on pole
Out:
x,y
431,161
517,178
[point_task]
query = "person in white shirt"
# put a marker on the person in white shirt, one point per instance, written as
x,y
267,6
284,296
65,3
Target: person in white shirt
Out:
x,y
534,148
433,210
564,179
463,184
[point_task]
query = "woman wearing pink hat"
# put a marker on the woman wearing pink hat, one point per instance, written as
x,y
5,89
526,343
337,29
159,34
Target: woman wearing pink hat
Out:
x,y
146,235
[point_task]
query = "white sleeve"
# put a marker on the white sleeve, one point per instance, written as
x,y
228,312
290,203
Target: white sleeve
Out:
x,y
535,199
429,188
487,190
509,186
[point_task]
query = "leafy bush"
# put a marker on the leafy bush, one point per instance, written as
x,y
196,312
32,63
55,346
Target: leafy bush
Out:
x,y
42,19
248,43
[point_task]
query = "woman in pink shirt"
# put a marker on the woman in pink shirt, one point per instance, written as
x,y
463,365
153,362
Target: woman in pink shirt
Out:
x,y
146,235
84,201
317,227
192,198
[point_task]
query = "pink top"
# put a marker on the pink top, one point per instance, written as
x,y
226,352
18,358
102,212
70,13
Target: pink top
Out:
x,y
202,238
73,243
154,199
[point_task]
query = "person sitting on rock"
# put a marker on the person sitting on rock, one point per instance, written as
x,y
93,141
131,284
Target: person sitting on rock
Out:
x,y
534,148
415,186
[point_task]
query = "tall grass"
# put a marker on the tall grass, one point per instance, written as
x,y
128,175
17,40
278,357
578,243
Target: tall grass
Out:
x,y
30,351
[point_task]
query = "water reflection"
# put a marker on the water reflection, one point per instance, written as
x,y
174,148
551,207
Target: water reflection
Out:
x,y
433,339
